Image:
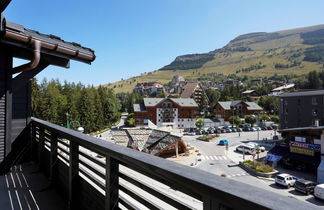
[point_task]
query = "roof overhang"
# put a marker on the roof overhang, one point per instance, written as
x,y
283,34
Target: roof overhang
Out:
x,y
54,50
302,128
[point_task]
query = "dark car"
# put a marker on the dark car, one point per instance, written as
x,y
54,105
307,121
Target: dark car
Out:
x,y
246,129
227,130
263,128
269,128
305,186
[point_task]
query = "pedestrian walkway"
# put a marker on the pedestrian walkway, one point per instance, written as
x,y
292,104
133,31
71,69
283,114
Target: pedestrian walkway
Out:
x,y
237,175
214,157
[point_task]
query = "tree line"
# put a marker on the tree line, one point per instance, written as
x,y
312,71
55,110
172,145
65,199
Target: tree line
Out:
x,y
94,108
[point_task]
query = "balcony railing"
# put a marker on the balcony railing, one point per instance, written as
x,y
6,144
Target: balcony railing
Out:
x,y
95,174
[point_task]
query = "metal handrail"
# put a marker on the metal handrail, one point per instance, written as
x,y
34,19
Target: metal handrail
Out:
x,y
214,191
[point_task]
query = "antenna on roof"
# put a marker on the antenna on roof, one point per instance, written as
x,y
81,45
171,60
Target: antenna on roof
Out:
x,y
4,4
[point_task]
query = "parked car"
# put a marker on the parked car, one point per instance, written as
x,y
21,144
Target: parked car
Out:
x,y
246,129
286,180
319,191
254,129
227,130
223,131
305,186
239,129
246,148
264,128
269,128
262,149
223,142
233,129
258,128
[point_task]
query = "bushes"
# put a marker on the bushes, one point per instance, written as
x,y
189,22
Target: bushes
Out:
x,y
258,166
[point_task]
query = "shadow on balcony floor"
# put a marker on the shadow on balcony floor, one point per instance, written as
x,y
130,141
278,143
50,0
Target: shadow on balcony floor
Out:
x,y
26,188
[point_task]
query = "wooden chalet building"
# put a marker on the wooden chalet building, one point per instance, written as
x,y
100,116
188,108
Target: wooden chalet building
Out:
x,y
175,112
226,109
195,91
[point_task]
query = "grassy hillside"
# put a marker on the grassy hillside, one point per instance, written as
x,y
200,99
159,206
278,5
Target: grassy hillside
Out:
x,y
296,51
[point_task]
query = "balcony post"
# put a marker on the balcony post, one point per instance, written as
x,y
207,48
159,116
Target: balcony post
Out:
x,y
33,141
73,175
210,204
41,140
53,158
112,183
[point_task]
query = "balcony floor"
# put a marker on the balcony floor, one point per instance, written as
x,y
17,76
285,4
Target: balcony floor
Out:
x,y
26,188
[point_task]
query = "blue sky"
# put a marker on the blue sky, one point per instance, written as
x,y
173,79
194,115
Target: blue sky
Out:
x,y
135,36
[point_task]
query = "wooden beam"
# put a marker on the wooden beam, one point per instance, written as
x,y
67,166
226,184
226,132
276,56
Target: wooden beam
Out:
x,y
73,175
4,4
22,79
112,184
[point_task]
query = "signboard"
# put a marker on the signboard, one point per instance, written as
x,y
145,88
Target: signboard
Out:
x,y
317,141
300,139
146,120
305,146
302,151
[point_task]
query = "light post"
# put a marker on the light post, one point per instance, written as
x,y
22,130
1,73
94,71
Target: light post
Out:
x,y
73,122
258,123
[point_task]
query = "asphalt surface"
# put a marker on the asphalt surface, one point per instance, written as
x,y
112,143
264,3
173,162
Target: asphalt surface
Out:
x,y
215,159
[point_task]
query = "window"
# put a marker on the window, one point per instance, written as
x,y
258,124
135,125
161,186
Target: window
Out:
x,y
314,101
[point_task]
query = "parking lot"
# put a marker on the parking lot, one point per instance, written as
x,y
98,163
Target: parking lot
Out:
x,y
217,160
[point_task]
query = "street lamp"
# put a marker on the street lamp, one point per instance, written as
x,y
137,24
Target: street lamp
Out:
x,y
73,122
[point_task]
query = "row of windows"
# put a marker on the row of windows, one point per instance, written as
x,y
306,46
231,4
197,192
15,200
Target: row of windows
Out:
x,y
314,112
314,101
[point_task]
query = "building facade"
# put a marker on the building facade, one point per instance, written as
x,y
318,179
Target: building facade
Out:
x,y
175,112
149,88
302,127
226,109
195,91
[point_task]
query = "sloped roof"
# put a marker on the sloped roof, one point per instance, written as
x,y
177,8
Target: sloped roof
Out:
x,y
17,35
139,108
253,106
248,91
225,104
250,105
185,102
139,137
155,136
165,142
189,102
120,137
188,89
304,93
284,87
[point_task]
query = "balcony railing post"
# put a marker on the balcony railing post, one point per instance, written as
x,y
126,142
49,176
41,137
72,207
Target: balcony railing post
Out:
x,y
73,175
41,142
210,204
33,141
53,158
112,183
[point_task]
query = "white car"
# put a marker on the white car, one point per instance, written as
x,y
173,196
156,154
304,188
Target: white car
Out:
x,y
262,149
319,191
246,148
286,180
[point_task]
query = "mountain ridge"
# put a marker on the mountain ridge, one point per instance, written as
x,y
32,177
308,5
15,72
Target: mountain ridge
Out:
x,y
258,54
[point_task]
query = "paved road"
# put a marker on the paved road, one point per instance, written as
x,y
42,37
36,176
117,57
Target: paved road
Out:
x,y
216,160
107,134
